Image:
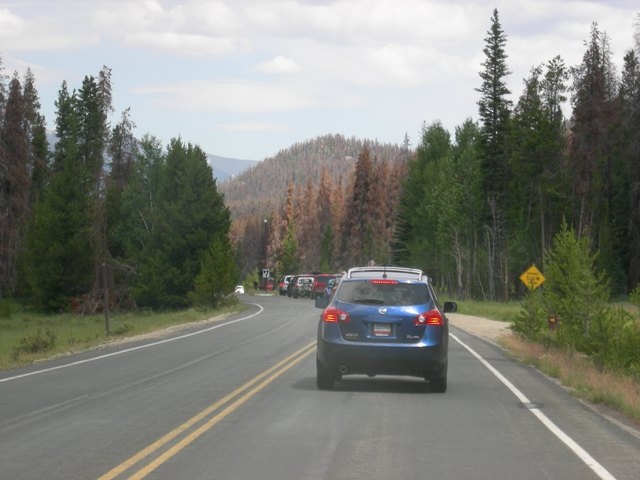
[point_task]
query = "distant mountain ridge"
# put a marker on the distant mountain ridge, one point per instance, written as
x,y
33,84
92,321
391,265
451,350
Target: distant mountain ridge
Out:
x,y
225,168
262,188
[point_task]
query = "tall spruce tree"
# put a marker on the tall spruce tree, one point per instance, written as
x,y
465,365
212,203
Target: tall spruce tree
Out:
x,y
58,261
357,225
592,94
537,163
122,149
591,150
465,230
15,184
418,209
66,125
92,105
495,110
627,180
35,126
325,214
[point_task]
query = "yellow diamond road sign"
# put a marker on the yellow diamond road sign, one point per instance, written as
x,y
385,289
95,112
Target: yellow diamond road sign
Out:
x,y
532,278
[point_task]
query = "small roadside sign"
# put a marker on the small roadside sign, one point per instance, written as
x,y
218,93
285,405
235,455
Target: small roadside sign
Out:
x,y
532,278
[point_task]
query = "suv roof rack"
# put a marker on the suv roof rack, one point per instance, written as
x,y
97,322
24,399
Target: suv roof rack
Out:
x,y
385,270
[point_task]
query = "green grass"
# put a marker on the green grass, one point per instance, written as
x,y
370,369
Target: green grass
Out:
x,y
27,337
505,312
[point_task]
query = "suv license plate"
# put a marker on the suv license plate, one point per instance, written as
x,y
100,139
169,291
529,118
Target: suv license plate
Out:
x,y
381,329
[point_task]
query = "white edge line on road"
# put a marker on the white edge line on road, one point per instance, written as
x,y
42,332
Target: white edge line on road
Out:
x,y
568,441
132,349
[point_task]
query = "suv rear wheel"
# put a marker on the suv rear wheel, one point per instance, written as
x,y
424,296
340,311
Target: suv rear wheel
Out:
x,y
438,384
324,377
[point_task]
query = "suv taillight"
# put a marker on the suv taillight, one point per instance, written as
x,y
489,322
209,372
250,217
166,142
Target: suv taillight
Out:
x,y
432,318
334,315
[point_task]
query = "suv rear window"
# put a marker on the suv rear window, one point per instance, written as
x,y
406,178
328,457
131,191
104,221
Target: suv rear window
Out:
x,y
374,292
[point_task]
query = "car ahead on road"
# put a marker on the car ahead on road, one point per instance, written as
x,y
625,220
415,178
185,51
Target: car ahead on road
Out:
x,y
292,283
331,286
383,321
239,289
303,286
284,284
319,284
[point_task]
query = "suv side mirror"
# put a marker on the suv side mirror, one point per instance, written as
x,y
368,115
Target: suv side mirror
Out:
x,y
450,307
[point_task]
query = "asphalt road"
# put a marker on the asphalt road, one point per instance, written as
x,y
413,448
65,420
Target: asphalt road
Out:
x,y
236,400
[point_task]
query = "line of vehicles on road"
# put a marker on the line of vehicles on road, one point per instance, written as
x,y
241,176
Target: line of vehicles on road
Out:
x,y
307,285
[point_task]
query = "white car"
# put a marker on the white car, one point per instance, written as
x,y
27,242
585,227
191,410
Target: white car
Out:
x,y
239,289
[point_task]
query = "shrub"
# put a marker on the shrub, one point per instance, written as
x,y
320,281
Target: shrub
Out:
x,y
530,322
616,339
217,277
634,297
38,342
573,291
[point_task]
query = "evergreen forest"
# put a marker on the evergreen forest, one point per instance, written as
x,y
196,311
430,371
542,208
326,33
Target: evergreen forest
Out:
x,y
474,207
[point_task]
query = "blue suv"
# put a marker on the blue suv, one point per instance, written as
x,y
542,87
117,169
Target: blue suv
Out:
x,y
383,321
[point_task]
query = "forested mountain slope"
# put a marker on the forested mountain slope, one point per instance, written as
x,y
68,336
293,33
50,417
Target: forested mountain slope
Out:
x,y
262,188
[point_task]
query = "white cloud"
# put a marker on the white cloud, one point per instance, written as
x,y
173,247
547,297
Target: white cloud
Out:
x,y
10,24
234,96
153,5
183,44
278,65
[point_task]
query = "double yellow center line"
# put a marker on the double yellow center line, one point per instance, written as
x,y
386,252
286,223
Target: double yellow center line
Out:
x,y
179,438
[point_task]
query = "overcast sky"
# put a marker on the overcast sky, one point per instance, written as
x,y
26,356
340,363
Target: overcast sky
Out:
x,y
247,78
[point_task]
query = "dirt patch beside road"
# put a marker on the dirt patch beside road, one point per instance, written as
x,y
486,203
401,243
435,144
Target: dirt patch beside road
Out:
x,y
483,327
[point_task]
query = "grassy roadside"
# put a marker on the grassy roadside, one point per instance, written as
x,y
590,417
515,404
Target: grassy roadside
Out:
x,y
573,370
27,337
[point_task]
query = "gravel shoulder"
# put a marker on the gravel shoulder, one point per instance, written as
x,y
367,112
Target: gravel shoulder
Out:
x,y
482,327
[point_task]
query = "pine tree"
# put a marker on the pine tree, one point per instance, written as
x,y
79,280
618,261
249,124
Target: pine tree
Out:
x,y
123,149
495,110
15,185
324,207
35,127
217,276
594,88
537,163
592,156
93,129
418,208
356,228
627,181
574,290
465,235
58,261
289,256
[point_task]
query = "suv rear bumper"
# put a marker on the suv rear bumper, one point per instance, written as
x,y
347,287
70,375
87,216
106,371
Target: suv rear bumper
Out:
x,y
413,360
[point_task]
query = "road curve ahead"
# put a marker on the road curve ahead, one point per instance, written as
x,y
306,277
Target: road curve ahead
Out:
x,y
236,399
